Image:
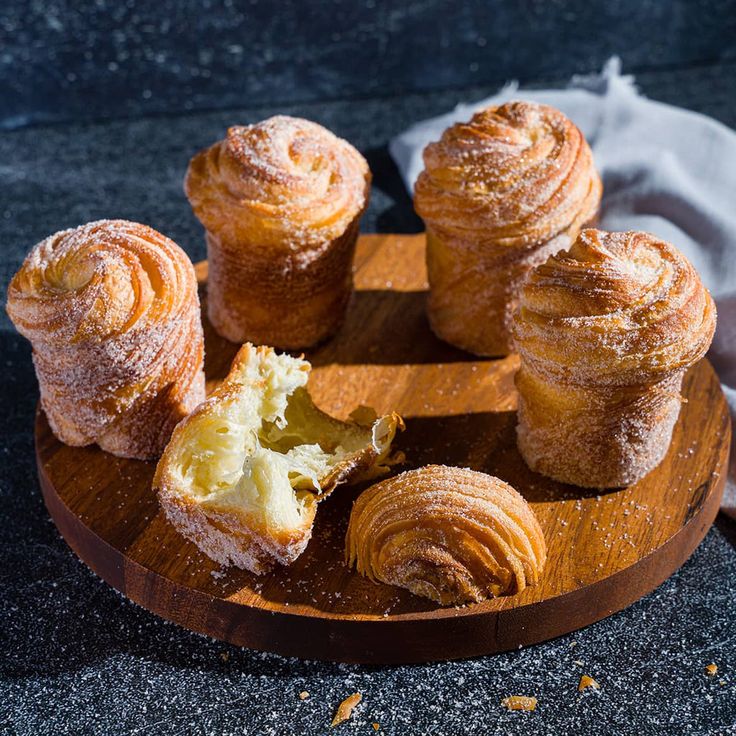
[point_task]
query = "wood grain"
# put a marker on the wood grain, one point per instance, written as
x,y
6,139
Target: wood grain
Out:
x,y
605,550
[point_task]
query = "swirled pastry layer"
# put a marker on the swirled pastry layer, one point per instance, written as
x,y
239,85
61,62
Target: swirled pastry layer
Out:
x,y
112,312
615,309
450,534
498,195
281,202
243,473
284,182
514,175
605,332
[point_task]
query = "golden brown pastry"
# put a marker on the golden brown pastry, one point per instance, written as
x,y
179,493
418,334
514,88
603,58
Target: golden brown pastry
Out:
x,y
112,312
281,202
499,195
244,472
450,534
605,332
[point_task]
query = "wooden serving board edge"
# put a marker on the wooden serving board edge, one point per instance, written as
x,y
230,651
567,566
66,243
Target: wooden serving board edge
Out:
x,y
335,638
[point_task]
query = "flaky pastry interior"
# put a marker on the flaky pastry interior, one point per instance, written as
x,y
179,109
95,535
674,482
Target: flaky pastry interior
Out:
x,y
244,472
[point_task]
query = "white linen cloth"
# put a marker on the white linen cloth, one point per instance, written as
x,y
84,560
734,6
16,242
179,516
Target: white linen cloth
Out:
x,y
665,170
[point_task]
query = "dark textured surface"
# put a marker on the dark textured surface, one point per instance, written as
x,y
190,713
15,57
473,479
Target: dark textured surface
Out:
x,y
83,59
79,659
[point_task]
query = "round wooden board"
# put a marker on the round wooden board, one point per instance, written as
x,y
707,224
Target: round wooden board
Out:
x,y
605,550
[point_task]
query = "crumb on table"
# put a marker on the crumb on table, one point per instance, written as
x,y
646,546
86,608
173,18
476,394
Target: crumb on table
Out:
x,y
519,702
345,709
587,681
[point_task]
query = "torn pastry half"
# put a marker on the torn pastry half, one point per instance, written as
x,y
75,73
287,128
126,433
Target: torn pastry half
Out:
x,y
244,472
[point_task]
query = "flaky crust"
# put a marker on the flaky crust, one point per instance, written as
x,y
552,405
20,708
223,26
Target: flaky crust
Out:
x,y
234,532
605,332
112,312
281,202
498,195
450,534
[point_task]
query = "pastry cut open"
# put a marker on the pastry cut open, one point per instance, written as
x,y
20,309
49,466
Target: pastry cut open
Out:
x,y
243,474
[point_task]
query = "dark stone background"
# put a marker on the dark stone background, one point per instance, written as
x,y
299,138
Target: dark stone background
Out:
x,y
107,102
81,60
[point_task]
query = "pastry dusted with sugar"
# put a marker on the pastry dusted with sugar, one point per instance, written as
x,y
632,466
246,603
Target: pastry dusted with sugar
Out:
x,y
243,474
450,534
605,332
281,202
498,195
112,313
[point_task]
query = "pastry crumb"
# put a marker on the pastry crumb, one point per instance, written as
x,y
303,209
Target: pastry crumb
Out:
x,y
711,669
225,656
376,726
303,695
587,681
345,709
519,702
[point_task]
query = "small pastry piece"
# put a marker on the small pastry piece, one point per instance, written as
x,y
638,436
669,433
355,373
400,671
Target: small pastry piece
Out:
x,y
586,681
519,702
346,708
112,312
281,202
605,332
243,473
450,534
499,195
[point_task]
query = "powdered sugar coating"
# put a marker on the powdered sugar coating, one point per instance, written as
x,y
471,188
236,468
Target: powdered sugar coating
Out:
x,y
605,332
498,195
283,182
281,202
513,176
622,308
112,312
